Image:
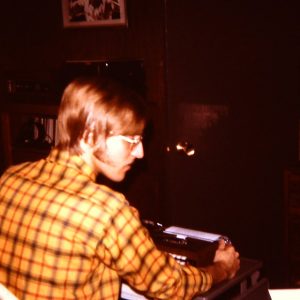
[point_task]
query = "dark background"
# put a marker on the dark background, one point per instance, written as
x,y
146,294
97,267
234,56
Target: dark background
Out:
x,y
198,57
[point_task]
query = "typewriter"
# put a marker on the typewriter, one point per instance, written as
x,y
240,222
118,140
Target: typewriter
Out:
x,y
195,247
187,246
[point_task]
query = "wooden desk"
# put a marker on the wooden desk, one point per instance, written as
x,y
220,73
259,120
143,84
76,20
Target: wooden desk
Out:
x,y
246,285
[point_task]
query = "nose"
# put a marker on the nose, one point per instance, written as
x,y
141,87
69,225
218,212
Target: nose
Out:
x,y
138,151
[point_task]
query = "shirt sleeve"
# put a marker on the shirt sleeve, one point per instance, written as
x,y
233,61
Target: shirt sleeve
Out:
x,y
136,259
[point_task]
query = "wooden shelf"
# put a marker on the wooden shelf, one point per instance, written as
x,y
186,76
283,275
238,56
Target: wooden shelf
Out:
x,y
30,108
13,118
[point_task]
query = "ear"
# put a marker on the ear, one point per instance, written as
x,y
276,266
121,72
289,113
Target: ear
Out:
x,y
85,146
87,143
88,137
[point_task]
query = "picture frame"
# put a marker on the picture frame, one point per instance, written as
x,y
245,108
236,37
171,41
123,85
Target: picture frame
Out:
x,y
92,13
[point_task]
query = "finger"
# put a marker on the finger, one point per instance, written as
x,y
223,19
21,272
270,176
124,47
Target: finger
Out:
x,y
230,246
232,275
222,244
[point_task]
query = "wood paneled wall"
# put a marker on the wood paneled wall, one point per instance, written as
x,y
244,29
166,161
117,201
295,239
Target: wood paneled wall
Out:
x,y
34,45
254,50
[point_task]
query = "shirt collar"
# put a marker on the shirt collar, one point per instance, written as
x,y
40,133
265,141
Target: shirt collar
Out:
x,y
74,161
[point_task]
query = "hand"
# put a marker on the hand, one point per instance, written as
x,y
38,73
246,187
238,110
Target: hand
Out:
x,y
228,257
226,263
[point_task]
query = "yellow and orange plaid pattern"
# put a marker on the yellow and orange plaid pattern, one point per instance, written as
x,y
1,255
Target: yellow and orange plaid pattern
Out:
x,y
63,236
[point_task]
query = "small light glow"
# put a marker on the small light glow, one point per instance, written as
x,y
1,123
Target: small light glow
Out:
x,y
179,146
190,152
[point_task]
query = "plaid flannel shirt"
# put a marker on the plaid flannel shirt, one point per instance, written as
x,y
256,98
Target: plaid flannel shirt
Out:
x,y
63,236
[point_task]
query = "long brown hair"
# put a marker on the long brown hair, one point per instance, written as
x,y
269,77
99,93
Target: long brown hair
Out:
x,y
98,107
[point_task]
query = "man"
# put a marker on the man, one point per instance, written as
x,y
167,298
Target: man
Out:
x,y
63,236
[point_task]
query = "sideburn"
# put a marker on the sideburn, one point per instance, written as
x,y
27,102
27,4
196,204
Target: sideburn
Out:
x,y
100,151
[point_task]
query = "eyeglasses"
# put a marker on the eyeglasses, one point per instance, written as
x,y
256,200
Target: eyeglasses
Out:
x,y
134,140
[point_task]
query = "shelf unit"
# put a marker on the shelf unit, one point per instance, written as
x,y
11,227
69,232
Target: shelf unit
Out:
x,y
14,117
292,224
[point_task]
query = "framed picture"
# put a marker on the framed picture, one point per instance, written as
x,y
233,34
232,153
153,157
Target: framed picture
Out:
x,y
87,13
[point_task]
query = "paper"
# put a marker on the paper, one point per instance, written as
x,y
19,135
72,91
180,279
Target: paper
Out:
x,y
284,294
129,294
183,233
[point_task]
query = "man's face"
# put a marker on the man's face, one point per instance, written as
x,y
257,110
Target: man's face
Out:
x,y
118,157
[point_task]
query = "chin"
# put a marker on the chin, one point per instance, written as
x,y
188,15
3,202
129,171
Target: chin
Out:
x,y
116,177
119,179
